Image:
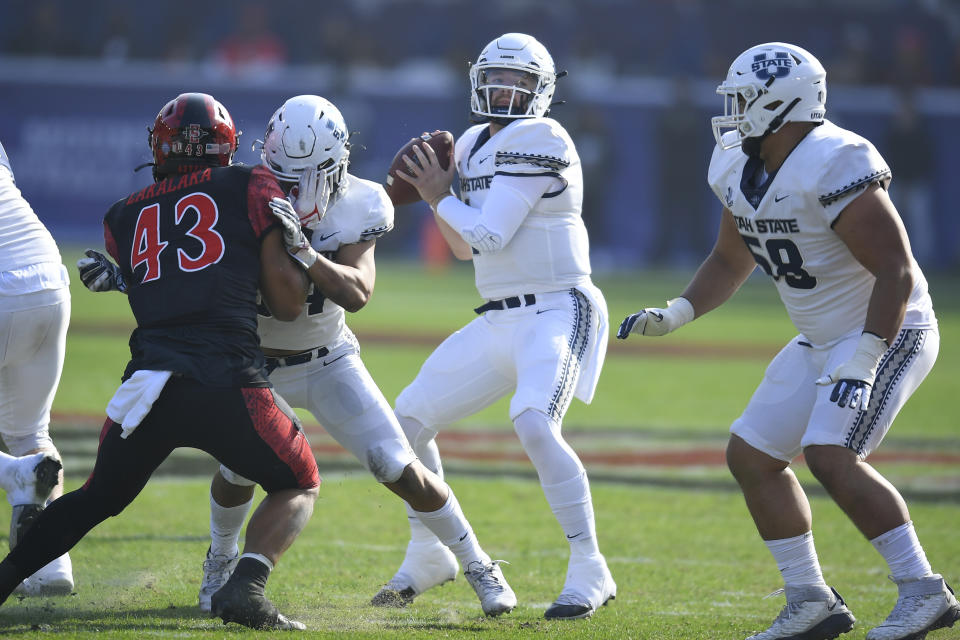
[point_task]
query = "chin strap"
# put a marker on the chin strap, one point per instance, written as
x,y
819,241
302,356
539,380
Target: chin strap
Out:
x,y
751,146
776,122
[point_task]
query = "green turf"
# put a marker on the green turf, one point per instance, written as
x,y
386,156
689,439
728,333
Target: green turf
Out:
x,y
688,565
688,561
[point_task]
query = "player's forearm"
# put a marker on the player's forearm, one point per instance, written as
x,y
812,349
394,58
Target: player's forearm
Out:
x,y
461,250
490,228
345,285
283,284
715,282
888,303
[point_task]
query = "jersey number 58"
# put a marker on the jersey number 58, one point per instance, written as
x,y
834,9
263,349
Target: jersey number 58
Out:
x,y
785,256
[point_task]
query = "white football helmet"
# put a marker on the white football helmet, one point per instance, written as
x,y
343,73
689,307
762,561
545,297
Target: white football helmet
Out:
x,y
519,52
767,85
308,134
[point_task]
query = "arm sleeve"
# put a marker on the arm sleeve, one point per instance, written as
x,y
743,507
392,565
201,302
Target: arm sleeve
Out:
x,y
490,228
109,243
260,189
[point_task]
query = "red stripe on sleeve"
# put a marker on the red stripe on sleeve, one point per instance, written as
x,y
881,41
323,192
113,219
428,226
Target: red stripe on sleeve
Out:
x,y
261,188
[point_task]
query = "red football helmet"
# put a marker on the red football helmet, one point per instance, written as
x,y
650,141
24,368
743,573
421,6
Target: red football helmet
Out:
x,y
192,132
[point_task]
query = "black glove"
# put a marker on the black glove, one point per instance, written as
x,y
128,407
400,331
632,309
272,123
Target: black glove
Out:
x,y
99,274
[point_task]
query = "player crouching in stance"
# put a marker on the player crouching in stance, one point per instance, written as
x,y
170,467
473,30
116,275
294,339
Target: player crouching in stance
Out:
x,y
314,361
807,201
542,332
191,251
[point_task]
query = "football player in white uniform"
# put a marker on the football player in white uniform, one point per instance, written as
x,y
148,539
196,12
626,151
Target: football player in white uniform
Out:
x,y
34,314
807,202
541,334
314,361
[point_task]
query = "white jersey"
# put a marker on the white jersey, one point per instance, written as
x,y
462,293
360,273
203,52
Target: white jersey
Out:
x,y
363,213
786,221
29,258
550,250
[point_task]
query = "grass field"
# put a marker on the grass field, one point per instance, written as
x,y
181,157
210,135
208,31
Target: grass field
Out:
x,y
678,538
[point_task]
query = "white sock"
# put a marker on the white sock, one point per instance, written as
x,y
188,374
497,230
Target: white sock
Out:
x,y
259,557
903,553
797,560
226,523
450,525
419,532
572,506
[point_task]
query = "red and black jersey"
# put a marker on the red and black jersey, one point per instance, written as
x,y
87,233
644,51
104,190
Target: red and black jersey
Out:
x,y
189,249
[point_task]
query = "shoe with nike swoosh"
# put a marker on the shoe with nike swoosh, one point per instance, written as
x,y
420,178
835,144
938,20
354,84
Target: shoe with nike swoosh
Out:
x,y
588,587
811,613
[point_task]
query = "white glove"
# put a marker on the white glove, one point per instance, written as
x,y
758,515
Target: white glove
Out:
x,y
855,377
296,242
657,322
99,274
313,197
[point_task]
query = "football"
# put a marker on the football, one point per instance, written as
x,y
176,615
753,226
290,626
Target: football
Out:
x,y
402,192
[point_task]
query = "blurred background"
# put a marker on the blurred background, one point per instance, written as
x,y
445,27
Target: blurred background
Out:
x,y
81,81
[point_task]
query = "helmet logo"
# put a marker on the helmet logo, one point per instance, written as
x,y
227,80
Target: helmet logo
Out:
x,y
778,67
193,133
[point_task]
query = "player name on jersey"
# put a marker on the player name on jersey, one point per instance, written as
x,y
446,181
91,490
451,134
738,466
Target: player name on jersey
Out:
x,y
171,184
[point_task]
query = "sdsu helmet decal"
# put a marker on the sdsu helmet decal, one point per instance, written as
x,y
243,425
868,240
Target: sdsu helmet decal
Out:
x,y
192,132
766,86
309,131
517,52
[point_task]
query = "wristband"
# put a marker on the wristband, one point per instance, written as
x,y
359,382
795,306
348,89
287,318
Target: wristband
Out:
x,y
305,257
436,201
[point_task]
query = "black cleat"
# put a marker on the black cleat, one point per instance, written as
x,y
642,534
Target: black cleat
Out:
x,y
247,605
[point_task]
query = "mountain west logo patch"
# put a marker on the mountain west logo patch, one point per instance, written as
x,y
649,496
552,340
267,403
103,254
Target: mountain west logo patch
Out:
x,y
778,67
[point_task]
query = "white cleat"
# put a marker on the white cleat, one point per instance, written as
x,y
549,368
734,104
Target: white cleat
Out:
x,y
216,572
425,566
923,605
496,596
588,587
53,579
811,613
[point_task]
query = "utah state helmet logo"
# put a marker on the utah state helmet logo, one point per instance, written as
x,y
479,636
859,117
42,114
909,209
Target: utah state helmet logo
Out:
x,y
778,67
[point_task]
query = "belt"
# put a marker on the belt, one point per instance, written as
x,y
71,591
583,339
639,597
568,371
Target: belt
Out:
x,y
507,303
297,358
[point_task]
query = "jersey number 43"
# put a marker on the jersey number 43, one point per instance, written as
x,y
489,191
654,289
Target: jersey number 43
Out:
x,y
147,245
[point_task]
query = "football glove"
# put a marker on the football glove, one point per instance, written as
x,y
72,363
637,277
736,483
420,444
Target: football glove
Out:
x,y
296,242
99,274
657,322
313,197
854,378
